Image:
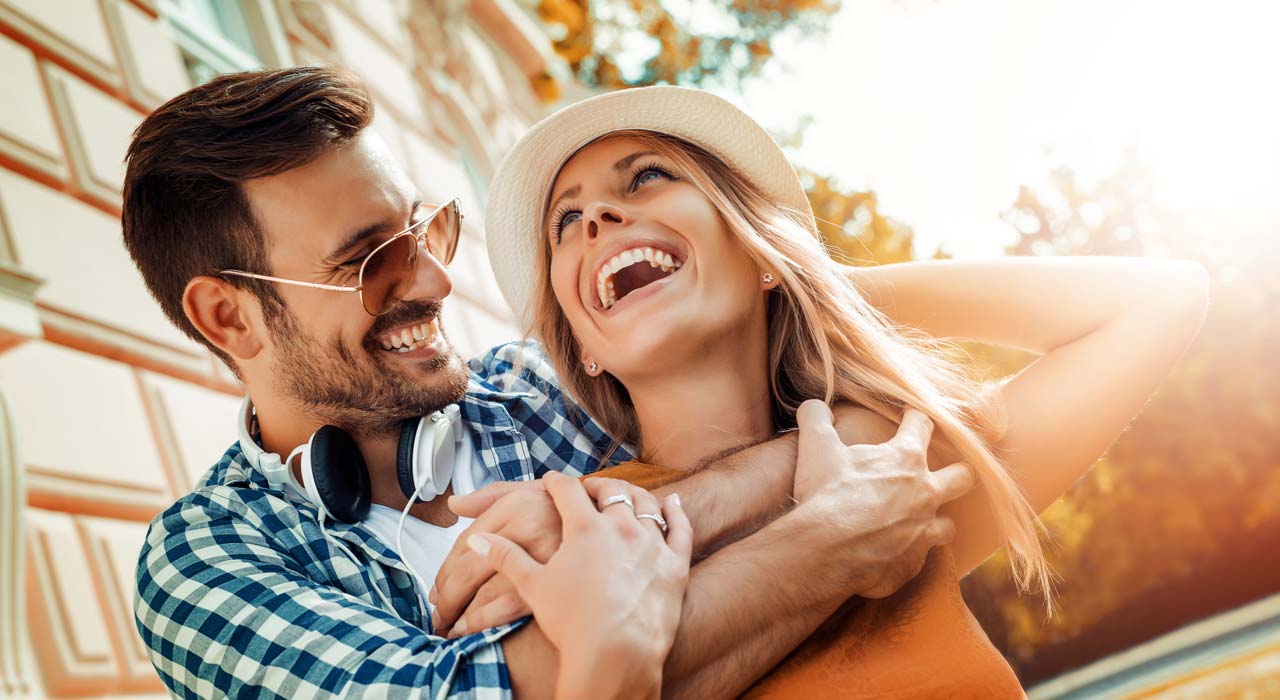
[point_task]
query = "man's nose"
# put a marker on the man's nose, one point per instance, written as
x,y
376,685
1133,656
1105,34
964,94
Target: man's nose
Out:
x,y
430,280
602,214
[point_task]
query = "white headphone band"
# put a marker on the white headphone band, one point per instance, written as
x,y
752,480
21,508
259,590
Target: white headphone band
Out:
x,y
277,472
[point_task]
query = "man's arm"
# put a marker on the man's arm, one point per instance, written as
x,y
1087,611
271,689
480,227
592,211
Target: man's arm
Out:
x,y
737,495
866,522
225,613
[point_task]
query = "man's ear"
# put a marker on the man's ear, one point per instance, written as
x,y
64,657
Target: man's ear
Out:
x,y
216,308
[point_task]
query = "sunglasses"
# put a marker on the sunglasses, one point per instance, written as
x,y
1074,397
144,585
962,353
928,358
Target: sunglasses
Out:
x,y
388,272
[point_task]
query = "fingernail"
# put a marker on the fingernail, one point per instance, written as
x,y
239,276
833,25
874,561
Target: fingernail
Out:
x,y
460,628
676,497
431,595
478,545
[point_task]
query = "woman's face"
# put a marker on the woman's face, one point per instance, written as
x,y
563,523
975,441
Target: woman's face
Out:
x,y
642,265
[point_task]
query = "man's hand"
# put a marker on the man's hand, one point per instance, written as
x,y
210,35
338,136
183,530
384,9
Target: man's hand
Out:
x,y
467,595
883,496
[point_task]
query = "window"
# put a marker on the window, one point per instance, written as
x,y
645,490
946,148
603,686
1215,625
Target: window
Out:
x,y
225,36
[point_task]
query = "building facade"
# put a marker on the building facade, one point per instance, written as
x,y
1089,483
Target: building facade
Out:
x,y
107,412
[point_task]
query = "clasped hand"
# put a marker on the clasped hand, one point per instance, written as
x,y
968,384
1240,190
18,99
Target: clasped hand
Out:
x,y
880,500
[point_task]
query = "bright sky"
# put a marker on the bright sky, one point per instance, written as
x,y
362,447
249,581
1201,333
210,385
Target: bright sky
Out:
x,y
944,107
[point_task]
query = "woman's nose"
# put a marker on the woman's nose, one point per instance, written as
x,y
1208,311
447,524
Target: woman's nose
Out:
x,y
602,214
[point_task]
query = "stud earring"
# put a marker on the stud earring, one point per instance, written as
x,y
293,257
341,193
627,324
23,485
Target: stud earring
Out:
x,y
767,278
593,367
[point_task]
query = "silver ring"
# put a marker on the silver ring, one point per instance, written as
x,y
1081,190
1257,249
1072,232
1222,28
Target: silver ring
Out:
x,y
622,498
662,523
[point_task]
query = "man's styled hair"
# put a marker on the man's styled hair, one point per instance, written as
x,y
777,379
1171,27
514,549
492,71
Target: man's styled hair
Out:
x,y
185,211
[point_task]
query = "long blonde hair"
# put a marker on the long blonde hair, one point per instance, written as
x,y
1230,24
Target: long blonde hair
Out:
x,y
825,341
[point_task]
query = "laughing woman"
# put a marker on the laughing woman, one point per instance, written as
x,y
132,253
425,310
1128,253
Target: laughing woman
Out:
x,y
660,246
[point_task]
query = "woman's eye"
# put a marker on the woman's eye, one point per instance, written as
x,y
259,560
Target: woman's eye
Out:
x,y
647,174
562,219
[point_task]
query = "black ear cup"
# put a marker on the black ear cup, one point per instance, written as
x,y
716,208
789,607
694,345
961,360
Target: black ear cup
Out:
x,y
340,474
404,456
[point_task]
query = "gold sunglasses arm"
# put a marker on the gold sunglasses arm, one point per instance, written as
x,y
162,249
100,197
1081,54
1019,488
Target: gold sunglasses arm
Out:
x,y
268,278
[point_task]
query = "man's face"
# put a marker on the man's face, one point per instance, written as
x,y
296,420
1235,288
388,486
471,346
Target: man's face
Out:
x,y
326,353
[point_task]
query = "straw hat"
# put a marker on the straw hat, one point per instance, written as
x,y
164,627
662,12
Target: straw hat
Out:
x,y
519,192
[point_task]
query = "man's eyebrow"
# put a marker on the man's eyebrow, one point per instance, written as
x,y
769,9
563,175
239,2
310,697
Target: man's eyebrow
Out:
x,y
355,239
619,166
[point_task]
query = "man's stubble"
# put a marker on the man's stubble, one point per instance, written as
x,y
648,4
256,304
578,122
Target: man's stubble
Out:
x,y
358,390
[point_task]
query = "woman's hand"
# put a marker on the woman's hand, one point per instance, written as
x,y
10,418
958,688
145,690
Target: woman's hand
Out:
x,y
610,597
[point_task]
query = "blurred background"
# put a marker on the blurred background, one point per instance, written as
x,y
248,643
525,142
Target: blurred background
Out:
x,y
922,129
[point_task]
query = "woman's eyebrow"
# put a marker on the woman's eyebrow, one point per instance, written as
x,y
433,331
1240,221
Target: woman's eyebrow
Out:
x,y
619,166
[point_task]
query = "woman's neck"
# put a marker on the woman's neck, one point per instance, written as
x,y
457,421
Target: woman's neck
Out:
x,y
719,402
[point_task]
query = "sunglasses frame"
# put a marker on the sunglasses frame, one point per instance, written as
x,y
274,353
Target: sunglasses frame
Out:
x,y
420,238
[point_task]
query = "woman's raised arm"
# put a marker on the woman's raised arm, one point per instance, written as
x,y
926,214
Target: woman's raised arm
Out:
x,y
1108,330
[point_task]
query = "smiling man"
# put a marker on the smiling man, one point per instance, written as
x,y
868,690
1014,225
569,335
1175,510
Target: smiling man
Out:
x,y
274,227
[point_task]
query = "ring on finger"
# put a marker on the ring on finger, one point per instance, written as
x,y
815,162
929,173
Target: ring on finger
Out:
x,y
622,498
662,522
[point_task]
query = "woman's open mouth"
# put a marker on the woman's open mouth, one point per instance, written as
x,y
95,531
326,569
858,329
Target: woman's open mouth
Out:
x,y
630,270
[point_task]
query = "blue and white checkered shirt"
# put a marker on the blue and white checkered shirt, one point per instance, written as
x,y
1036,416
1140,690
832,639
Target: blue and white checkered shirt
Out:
x,y
240,594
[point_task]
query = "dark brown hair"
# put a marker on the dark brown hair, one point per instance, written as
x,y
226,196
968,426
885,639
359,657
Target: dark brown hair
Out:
x,y
185,211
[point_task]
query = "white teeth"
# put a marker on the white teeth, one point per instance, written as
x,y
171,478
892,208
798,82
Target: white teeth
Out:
x,y
631,256
408,339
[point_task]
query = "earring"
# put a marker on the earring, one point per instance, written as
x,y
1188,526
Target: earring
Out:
x,y
593,367
767,278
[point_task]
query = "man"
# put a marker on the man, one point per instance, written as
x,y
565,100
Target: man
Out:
x,y
250,204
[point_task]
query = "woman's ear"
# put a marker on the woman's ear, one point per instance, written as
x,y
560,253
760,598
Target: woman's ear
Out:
x,y
215,308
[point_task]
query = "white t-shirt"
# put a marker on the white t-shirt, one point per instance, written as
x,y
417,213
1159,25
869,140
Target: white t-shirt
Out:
x,y
427,545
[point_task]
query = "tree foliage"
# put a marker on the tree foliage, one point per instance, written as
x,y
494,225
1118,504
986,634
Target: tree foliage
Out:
x,y
1191,493
627,43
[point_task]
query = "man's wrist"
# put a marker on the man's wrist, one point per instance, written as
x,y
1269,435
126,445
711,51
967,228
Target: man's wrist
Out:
x,y
610,670
824,534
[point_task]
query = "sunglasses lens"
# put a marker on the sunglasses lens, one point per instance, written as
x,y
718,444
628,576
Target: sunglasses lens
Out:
x,y
388,274
442,233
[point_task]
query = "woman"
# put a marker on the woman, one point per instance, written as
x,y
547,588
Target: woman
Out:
x,y
682,292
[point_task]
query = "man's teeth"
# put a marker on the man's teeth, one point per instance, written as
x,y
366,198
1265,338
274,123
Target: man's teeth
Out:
x,y
631,256
408,339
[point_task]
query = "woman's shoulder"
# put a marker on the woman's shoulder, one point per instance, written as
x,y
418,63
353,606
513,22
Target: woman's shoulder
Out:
x,y
858,425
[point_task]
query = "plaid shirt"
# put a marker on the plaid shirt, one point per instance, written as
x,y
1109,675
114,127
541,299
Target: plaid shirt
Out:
x,y
240,594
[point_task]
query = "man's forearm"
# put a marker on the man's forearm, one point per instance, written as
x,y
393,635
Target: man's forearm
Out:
x,y
738,494
753,602
746,607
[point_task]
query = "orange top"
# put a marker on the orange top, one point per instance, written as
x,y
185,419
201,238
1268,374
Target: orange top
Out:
x,y
920,643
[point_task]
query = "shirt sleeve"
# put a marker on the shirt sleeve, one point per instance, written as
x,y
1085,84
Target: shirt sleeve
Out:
x,y
224,613
562,436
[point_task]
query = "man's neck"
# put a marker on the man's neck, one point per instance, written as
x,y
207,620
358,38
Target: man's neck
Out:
x,y
283,428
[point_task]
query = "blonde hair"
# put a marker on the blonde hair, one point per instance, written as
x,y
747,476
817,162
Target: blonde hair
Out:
x,y
825,341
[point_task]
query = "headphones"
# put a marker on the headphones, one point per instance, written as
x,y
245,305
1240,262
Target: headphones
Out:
x,y
335,477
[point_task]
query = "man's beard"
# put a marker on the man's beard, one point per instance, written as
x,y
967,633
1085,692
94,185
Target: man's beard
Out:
x,y
361,392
